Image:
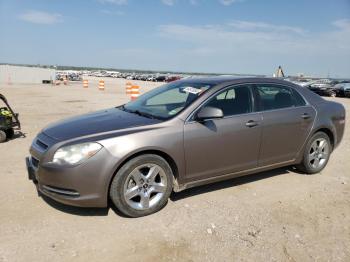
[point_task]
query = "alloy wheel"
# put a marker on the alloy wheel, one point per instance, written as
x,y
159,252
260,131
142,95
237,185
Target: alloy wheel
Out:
x,y
319,153
145,186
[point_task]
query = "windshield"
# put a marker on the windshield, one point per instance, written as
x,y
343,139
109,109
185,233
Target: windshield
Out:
x,y
166,101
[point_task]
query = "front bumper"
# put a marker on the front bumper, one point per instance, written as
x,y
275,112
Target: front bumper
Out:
x,y
85,185
30,170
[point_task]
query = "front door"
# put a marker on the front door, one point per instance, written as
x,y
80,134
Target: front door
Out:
x,y
230,144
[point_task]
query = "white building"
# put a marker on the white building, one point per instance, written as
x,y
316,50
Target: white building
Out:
x,y
10,74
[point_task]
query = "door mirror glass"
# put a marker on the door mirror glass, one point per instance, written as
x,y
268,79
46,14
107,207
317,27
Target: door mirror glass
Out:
x,y
209,112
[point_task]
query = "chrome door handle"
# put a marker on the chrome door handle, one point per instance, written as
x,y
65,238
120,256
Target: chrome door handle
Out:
x,y
305,116
251,123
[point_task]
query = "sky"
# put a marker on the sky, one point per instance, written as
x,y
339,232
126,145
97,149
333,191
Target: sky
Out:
x,y
209,36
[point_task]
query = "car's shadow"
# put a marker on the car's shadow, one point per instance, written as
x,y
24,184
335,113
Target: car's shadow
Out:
x,y
80,211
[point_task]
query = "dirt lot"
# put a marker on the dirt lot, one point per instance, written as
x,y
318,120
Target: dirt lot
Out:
x,y
272,216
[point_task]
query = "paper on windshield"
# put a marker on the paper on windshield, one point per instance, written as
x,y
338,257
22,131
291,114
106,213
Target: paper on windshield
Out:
x,y
192,90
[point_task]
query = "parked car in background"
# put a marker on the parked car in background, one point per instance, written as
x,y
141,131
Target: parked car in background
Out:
x,y
303,82
75,77
144,77
151,78
342,89
161,78
172,78
324,87
180,135
346,89
131,77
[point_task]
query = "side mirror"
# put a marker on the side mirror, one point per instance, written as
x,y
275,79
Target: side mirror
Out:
x,y
209,112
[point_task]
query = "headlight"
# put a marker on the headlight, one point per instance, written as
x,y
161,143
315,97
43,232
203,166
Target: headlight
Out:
x,y
76,153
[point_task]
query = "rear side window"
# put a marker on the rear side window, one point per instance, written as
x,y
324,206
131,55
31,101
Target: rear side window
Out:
x,y
299,100
276,97
233,101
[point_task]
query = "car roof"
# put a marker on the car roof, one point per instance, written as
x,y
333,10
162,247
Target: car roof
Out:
x,y
217,80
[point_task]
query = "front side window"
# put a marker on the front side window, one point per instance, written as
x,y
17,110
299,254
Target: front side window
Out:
x,y
166,101
233,101
276,97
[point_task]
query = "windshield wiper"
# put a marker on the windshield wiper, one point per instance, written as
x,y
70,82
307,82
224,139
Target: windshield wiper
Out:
x,y
126,110
140,113
122,107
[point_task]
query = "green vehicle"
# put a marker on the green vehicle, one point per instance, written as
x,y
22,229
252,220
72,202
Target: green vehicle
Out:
x,y
8,121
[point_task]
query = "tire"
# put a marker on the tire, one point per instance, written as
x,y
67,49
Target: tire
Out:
x,y
316,154
332,94
10,133
142,186
2,136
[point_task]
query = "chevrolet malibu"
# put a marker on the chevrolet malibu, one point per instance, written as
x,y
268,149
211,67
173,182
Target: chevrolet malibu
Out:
x,y
183,134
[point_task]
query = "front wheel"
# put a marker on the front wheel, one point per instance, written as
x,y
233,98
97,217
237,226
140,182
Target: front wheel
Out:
x,y
316,154
142,186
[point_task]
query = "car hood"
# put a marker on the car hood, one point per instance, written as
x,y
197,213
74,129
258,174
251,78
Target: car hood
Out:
x,y
94,123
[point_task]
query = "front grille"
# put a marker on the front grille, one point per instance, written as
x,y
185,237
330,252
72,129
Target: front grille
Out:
x,y
35,162
41,144
61,191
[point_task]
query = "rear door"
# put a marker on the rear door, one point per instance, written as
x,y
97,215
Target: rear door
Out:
x,y
230,144
287,120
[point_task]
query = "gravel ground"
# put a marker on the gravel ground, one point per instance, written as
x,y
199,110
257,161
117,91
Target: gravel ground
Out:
x,y
278,215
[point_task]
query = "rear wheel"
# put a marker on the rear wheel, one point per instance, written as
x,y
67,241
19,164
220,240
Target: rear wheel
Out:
x,y
2,136
142,186
316,154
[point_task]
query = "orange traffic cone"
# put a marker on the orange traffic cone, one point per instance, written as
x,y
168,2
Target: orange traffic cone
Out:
x,y
135,92
128,87
101,85
85,83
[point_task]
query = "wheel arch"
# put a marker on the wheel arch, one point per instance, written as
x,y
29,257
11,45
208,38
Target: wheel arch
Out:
x,y
165,156
328,132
